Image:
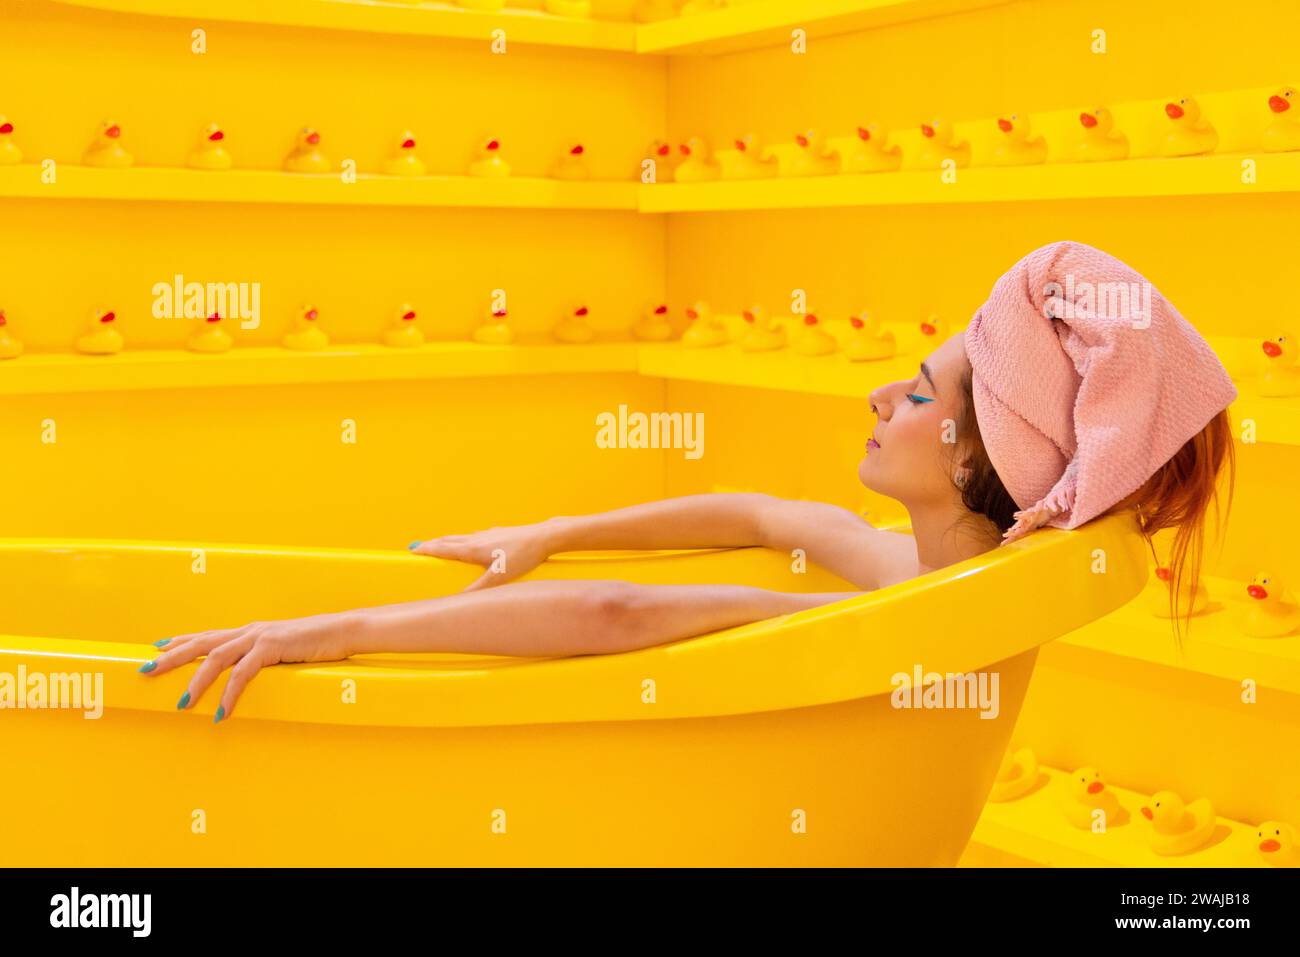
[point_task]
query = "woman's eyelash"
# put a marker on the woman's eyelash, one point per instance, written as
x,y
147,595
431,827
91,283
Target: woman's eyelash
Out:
x,y
917,399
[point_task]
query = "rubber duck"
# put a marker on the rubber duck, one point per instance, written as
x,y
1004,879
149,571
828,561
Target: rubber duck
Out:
x,y
574,328
653,326
102,339
494,330
1017,774
489,163
814,340
1086,793
761,333
211,337
1178,828
211,152
1278,845
10,154
1100,142
10,346
747,159
573,164
569,8
870,340
934,328
1283,131
307,156
404,333
1190,133
1015,148
696,165
705,330
1281,376
865,151
106,151
661,152
1273,612
404,161
807,156
1163,586
938,143
304,335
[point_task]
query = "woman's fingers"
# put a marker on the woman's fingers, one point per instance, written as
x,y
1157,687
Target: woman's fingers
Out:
x,y
240,675
218,660
452,546
193,647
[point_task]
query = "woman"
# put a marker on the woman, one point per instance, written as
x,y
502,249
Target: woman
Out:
x,y
1075,390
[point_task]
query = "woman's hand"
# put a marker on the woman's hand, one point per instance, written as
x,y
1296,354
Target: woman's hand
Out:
x,y
249,649
506,552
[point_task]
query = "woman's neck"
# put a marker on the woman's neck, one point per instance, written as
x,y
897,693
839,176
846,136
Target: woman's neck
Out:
x,y
948,534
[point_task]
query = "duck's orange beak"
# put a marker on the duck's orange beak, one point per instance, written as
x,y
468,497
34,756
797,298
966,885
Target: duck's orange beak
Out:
x,y
313,138
1173,111
1146,813
927,129
740,145
927,329
1270,846
1096,787
1278,104
1088,120
113,132
1162,573
493,144
801,140
664,150
1272,349
310,315
686,150
1257,591
692,314
1004,125
864,134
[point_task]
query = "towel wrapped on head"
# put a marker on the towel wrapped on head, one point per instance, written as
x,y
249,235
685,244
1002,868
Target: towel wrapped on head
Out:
x,y
1086,381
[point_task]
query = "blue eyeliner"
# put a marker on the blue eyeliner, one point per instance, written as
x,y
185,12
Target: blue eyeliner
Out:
x,y
918,398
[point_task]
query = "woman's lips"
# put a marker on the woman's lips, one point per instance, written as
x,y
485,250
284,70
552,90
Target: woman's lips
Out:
x,y
872,444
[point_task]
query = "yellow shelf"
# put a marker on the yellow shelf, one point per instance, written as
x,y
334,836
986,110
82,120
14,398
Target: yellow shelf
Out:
x,y
377,16
1034,828
1214,646
761,23
60,373
171,184
1184,176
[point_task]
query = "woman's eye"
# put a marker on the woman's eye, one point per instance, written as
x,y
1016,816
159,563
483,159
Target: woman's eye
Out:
x,y
917,399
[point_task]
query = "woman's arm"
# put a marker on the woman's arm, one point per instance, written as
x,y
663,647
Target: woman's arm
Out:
x,y
830,536
534,618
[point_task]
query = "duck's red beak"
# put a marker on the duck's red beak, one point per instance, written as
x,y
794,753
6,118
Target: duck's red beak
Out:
x,y
1096,787
217,137
927,329
577,150
313,138
1088,120
215,317
864,134
660,310
1004,125
108,317
686,150
801,140
927,129
855,322
748,316
310,315
810,320
1272,349
6,127
1162,573
1270,846
1278,104
493,144
1257,591
580,311
692,314
113,131
409,315
1174,111
1146,813
664,149
740,145
408,144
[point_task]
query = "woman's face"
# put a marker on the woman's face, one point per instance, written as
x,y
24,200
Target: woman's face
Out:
x,y
909,452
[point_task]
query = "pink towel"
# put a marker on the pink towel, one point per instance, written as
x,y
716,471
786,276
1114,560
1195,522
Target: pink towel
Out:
x,y
1086,382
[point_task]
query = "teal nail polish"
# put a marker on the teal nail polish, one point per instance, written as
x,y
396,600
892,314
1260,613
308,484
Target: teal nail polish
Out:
x,y
185,699
161,642
149,666
221,713
413,546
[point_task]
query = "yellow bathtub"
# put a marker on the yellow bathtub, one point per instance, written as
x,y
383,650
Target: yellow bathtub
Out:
x,y
776,743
